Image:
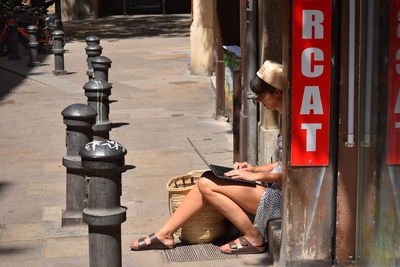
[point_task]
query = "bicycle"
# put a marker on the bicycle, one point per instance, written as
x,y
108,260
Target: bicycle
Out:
x,y
23,16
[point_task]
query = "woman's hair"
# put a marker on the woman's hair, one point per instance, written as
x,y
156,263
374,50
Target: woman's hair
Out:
x,y
259,87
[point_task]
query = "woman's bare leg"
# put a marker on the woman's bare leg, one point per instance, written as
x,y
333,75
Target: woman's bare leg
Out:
x,y
230,200
192,204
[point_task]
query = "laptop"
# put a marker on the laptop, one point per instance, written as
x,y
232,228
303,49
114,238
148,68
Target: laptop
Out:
x,y
217,170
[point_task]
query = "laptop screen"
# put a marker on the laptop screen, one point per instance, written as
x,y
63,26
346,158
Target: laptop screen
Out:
x,y
198,152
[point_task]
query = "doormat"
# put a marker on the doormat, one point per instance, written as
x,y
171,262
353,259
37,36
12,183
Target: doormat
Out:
x,y
198,252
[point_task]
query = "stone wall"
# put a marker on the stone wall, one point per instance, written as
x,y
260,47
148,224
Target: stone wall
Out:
x,y
202,45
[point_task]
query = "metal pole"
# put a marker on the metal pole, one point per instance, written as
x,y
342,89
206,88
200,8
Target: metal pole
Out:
x,y
97,92
91,40
237,102
104,214
100,66
79,119
219,69
252,64
93,49
58,8
164,6
33,46
243,80
366,138
352,58
58,51
124,7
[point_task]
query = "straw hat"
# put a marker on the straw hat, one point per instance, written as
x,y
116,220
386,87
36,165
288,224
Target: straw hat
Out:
x,y
271,73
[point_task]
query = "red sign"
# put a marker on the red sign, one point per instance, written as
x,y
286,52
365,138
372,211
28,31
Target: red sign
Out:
x,y
311,81
393,121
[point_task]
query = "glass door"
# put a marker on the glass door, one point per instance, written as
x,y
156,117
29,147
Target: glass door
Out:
x,y
378,207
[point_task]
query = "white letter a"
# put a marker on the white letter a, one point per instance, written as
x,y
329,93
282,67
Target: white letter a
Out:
x,y
311,100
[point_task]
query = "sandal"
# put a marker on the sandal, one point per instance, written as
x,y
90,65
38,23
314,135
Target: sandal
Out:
x,y
154,244
246,248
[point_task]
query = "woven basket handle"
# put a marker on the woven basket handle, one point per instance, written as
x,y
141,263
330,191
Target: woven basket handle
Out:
x,y
169,203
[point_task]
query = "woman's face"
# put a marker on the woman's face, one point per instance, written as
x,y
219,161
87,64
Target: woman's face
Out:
x,y
272,101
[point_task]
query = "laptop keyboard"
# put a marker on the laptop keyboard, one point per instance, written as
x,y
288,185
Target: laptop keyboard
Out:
x,y
220,170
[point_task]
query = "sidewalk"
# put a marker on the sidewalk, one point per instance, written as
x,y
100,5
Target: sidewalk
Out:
x,y
156,105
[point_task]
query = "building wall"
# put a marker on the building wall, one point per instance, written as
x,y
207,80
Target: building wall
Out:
x,y
308,191
85,9
202,37
78,9
270,44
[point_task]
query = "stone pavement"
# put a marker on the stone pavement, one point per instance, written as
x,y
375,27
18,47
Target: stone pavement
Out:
x,y
156,104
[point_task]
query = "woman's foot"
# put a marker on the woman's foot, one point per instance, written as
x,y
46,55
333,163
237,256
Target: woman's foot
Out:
x,y
244,245
153,241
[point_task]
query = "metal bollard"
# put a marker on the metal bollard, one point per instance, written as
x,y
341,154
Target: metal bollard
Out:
x,y
33,46
104,214
58,51
79,119
100,66
54,22
13,42
97,92
91,40
93,49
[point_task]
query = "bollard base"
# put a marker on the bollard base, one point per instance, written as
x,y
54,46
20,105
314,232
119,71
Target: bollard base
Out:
x,y
105,246
71,219
60,72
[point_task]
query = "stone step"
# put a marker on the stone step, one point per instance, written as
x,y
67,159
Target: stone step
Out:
x,y
274,238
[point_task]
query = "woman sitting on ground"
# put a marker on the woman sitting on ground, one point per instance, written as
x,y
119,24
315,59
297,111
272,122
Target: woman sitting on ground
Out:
x,y
232,199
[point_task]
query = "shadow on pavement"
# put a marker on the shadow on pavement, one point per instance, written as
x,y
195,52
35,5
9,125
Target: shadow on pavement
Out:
x,y
9,81
3,187
114,27
138,26
12,250
126,168
118,124
13,72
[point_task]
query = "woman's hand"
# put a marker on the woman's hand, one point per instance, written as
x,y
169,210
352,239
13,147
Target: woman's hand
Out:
x,y
243,166
241,174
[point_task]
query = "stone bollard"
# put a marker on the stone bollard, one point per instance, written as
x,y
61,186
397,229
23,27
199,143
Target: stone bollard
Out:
x,y
33,46
58,51
13,42
97,92
79,119
100,66
103,161
93,49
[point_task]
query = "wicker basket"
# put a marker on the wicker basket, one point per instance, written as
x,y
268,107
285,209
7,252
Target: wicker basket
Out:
x,y
205,226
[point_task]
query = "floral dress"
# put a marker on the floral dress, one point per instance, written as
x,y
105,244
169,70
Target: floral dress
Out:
x,y
270,206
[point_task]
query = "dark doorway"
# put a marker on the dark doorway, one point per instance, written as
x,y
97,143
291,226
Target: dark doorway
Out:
x,y
134,7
